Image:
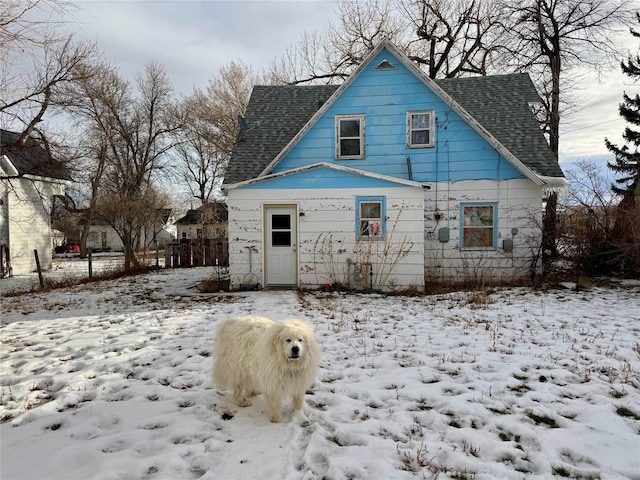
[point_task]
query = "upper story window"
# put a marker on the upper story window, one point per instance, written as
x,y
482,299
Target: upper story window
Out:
x,y
420,129
479,225
349,136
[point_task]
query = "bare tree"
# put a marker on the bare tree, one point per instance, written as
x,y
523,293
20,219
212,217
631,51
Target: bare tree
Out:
x,y
210,128
35,61
133,131
228,93
455,38
200,160
553,36
585,228
330,59
446,39
549,37
132,216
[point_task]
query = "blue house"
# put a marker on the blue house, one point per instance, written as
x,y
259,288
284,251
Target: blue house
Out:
x,y
389,181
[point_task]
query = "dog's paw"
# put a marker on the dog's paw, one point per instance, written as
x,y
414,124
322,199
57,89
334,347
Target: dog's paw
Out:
x,y
240,399
300,418
275,418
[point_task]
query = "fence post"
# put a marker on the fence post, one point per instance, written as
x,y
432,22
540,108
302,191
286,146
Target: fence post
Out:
x,y
90,256
35,253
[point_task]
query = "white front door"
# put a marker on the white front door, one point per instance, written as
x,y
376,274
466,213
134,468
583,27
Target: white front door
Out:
x,y
280,244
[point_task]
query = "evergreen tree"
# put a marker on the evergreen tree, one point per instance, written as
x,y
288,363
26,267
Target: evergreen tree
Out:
x,y
627,161
623,252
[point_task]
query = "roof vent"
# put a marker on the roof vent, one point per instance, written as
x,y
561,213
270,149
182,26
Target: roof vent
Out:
x,y
385,65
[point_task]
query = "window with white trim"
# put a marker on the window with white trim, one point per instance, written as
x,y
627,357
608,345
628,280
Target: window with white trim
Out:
x,y
371,213
479,225
420,129
349,136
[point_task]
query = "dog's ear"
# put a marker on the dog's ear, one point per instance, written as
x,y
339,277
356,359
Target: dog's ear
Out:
x,y
276,332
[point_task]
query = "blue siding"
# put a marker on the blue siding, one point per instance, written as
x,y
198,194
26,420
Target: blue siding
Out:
x,y
384,97
322,177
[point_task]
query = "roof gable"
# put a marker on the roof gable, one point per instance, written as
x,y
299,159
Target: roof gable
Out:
x,y
496,108
30,158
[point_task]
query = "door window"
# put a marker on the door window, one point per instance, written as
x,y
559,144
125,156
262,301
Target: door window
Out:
x,y
281,230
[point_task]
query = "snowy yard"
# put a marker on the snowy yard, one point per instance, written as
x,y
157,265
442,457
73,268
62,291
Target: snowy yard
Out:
x,y
111,381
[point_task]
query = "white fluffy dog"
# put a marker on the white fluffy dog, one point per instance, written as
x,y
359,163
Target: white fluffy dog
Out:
x,y
255,355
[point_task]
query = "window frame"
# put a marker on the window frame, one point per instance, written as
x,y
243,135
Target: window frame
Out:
x,y
494,226
430,128
360,117
382,200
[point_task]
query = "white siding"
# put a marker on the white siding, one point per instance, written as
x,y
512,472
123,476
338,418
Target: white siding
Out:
x,y
519,207
326,234
327,237
98,232
26,222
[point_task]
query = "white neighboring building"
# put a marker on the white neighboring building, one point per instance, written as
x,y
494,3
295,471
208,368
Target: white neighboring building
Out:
x,y
161,229
29,180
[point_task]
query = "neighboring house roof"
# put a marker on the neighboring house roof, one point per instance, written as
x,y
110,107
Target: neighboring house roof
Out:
x,y
216,212
30,158
165,215
500,105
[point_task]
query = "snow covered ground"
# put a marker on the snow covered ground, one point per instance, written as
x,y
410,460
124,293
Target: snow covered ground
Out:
x,y
111,381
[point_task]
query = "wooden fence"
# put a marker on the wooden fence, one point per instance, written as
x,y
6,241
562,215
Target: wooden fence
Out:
x,y
202,252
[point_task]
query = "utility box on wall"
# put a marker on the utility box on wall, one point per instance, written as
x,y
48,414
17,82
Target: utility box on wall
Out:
x,y
443,234
507,245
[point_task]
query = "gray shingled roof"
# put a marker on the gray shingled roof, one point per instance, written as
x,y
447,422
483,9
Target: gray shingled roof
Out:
x,y
499,103
31,158
216,212
274,115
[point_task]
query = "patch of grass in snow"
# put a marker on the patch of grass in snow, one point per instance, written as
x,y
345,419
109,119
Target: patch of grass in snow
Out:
x,y
415,460
519,389
418,459
479,299
625,411
543,419
470,448
422,406
498,410
615,393
508,436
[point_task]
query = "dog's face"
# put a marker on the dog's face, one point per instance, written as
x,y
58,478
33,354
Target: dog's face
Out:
x,y
292,342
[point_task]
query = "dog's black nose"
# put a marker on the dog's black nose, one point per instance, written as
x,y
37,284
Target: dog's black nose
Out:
x,y
295,351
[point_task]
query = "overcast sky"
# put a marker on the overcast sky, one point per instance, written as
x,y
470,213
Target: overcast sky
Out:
x,y
192,39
